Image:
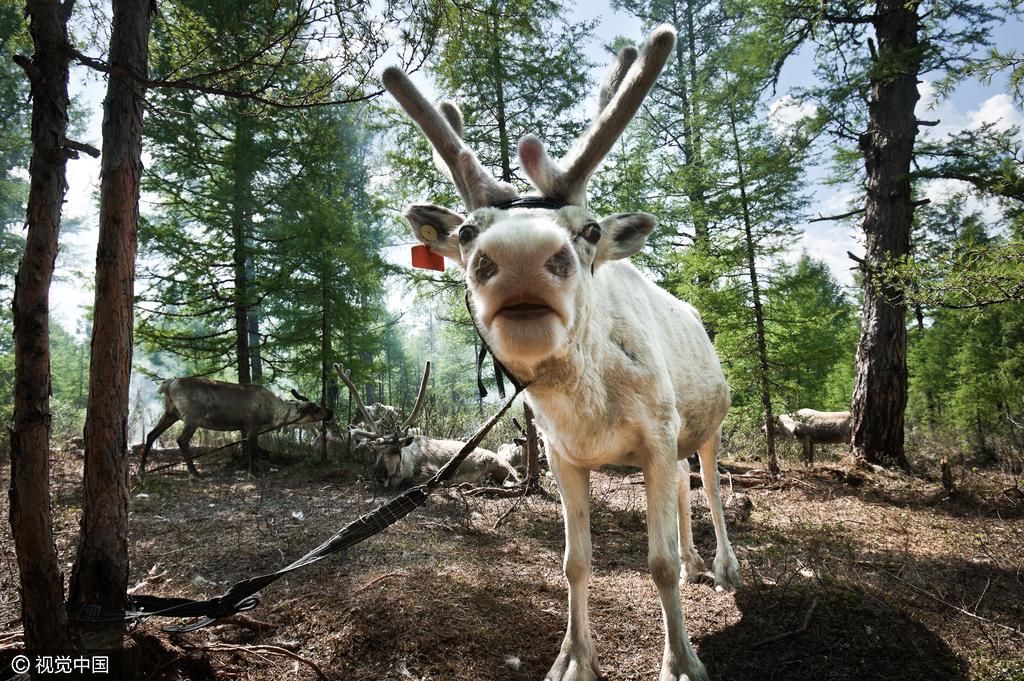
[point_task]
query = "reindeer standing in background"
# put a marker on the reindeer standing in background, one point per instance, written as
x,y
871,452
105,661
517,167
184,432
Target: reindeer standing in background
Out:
x,y
619,371
216,405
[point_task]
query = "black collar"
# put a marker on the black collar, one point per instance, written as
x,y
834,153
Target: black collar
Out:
x,y
531,202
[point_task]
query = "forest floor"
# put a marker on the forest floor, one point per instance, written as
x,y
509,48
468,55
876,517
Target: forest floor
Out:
x,y
874,575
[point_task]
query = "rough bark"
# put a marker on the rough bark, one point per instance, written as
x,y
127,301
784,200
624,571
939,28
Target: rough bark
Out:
x,y
42,586
880,389
241,200
100,573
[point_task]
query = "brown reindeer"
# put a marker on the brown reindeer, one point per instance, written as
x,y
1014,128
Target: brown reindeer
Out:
x,y
217,405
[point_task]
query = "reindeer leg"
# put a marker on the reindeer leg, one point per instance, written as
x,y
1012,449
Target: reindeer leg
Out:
x,y
727,568
577,659
166,421
661,485
693,564
183,440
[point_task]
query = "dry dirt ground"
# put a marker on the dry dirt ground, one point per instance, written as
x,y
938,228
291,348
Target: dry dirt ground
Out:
x,y
874,576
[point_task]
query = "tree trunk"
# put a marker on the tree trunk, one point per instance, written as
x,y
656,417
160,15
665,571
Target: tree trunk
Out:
x,y
497,71
755,295
326,382
880,389
100,574
241,221
42,586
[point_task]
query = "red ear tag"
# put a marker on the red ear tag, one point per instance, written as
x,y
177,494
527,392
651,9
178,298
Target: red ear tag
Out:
x,y
426,259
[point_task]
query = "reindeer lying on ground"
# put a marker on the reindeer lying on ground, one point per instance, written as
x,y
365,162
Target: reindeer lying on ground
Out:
x,y
619,371
421,457
812,427
216,405
401,455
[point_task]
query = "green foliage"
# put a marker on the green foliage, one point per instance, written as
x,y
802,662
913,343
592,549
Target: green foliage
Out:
x,y
264,213
966,371
813,329
325,243
15,147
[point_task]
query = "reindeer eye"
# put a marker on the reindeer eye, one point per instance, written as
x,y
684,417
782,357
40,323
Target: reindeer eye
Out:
x,y
467,234
591,232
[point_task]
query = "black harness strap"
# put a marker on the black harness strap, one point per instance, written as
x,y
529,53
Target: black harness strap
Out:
x,y
500,372
531,202
244,595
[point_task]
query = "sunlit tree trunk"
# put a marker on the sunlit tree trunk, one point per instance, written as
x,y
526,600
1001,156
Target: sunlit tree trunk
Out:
x,y
100,574
42,587
880,389
755,298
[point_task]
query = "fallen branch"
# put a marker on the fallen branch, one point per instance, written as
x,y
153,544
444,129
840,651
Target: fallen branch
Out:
x,y
265,649
12,635
490,492
787,634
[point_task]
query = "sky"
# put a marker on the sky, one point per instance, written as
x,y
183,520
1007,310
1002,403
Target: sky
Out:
x,y
971,105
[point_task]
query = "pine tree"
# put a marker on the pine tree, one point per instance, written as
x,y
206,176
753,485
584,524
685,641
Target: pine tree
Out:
x,y
325,237
883,48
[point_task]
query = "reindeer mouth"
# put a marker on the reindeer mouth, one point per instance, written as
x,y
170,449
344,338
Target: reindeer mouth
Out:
x,y
524,310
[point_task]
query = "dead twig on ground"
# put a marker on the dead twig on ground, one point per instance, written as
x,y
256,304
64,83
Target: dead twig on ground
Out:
x,y
12,635
513,507
787,634
490,492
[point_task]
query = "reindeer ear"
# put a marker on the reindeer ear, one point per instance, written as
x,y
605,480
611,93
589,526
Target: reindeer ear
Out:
x,y
437,228
622,235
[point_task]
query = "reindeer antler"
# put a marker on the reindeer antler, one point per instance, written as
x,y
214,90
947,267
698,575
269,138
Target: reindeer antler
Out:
x,y
343,375
420,396
474,184
628,82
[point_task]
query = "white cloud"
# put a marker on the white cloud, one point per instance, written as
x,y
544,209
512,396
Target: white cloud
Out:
x,y
787,111
998,110
830,243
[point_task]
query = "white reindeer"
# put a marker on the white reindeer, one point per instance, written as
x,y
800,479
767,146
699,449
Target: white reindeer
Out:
x,y
619,370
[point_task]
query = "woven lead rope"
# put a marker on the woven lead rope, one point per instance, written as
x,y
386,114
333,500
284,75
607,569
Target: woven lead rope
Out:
x,y
244,595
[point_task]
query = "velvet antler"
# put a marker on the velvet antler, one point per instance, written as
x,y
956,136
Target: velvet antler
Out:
x,y
475,185
629,80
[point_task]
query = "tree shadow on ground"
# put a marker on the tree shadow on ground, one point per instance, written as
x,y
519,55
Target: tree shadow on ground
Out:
x,y
446,625
916,492
849,634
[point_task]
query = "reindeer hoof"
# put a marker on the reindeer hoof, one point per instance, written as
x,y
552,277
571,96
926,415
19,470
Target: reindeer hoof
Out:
x,y
574,665
693,566
727,571
687,669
